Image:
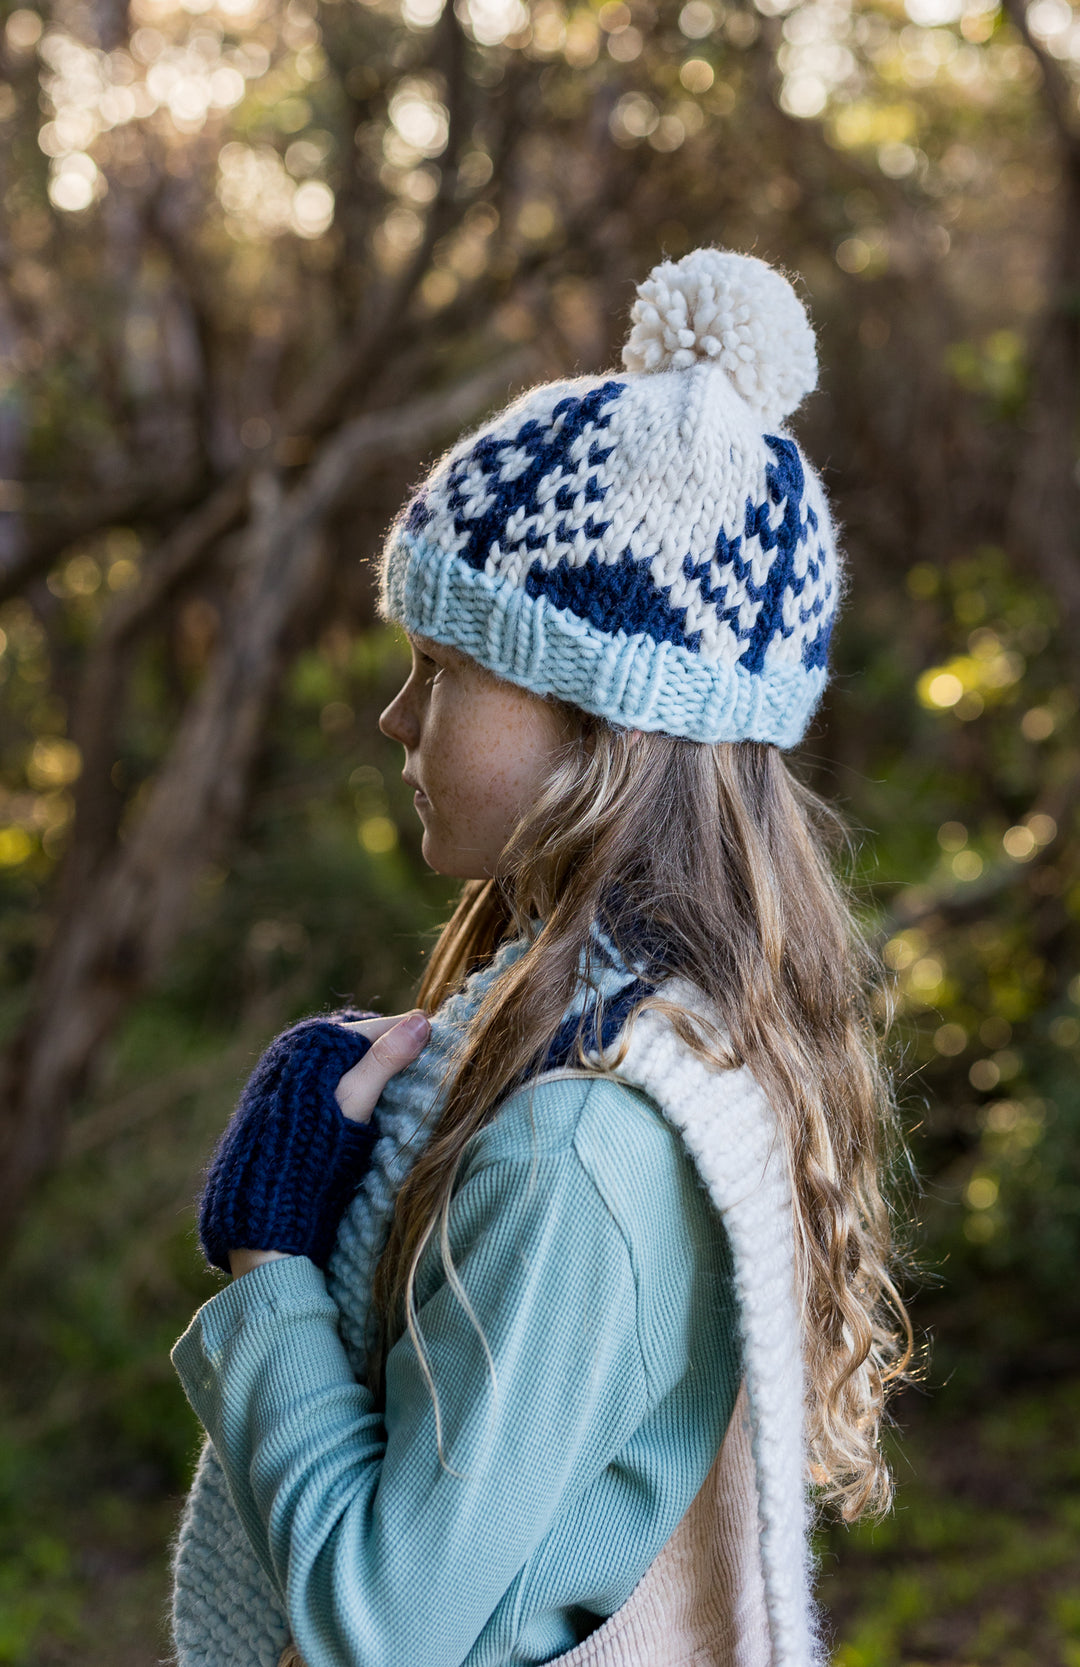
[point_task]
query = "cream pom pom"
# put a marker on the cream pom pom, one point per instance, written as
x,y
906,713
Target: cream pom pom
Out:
x,y
734,310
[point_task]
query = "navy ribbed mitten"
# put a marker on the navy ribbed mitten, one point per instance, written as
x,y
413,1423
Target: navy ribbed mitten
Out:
x,y
289,1159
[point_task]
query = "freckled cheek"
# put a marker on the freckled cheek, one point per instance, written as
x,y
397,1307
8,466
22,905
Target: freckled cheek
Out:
x,y
476,790
510,764
485,770
450,766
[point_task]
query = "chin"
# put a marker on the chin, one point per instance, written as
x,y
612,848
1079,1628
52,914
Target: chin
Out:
x,y
439,859
456,865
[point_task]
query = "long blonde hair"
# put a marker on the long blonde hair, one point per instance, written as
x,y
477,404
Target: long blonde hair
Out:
x,y
728,859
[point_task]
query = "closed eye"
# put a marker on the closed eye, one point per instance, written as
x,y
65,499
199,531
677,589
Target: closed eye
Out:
x,y
428,665
425,665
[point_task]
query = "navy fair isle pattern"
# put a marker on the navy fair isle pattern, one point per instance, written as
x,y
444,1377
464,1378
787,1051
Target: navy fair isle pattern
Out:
x,y
500,490
642,545
787,527
518,501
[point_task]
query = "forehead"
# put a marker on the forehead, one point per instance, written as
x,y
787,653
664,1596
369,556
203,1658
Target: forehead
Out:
x,y
485,681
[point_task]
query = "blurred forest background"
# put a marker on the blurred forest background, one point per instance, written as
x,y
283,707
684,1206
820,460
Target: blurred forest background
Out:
x,y
263,259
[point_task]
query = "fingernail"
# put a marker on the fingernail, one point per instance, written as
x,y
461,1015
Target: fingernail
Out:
x,y
417,1027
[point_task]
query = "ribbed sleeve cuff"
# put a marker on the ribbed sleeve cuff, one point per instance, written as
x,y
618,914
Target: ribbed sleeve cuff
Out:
x,y
270,1295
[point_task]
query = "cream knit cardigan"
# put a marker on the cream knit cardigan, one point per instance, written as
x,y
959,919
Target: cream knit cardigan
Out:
x,y
732,1586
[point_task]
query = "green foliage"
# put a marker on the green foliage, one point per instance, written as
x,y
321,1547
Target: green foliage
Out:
x,y
978,1562
970,790
995,369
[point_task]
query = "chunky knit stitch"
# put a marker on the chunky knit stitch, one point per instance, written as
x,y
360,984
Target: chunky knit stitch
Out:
x,y
228,1612
289,1159
649,545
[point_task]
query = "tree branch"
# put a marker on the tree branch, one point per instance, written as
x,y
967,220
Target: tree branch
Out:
x,y
318,402
116,932
1059,92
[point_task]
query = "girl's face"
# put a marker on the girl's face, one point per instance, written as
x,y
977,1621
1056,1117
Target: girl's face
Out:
x,y
478,751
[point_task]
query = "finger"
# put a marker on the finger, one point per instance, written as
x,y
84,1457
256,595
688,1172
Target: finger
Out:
x,y
358,1091
399,1045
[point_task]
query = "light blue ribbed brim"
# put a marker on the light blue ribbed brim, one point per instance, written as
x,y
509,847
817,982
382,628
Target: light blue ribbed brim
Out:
x,y
630,680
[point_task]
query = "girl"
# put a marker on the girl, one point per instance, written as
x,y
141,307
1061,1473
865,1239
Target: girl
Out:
x,y
550,1298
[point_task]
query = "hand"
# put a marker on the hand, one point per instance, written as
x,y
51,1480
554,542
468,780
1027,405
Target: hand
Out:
x,y
395,1043
291,1157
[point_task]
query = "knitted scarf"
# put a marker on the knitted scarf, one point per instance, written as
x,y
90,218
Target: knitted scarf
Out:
x,y
227,1612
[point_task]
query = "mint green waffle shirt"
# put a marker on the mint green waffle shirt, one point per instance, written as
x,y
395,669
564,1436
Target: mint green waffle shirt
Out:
x,y
600,1275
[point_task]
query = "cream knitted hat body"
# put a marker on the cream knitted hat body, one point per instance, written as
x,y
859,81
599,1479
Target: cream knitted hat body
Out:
x,y
649,545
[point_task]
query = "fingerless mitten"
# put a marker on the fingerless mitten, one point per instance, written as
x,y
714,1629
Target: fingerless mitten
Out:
x,y
289,1159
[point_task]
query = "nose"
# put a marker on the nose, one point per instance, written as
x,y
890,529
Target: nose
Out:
x,y
399,721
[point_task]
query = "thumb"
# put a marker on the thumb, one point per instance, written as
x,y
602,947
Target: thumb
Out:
x,y
397,1047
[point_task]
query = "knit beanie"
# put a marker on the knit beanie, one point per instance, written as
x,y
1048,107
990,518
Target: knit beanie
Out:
x,y
649,545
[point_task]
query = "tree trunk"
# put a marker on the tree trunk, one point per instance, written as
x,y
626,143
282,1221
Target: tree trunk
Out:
x,y
121,924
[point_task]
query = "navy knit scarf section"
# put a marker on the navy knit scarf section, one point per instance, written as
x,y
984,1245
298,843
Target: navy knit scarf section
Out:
x,y
614,978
